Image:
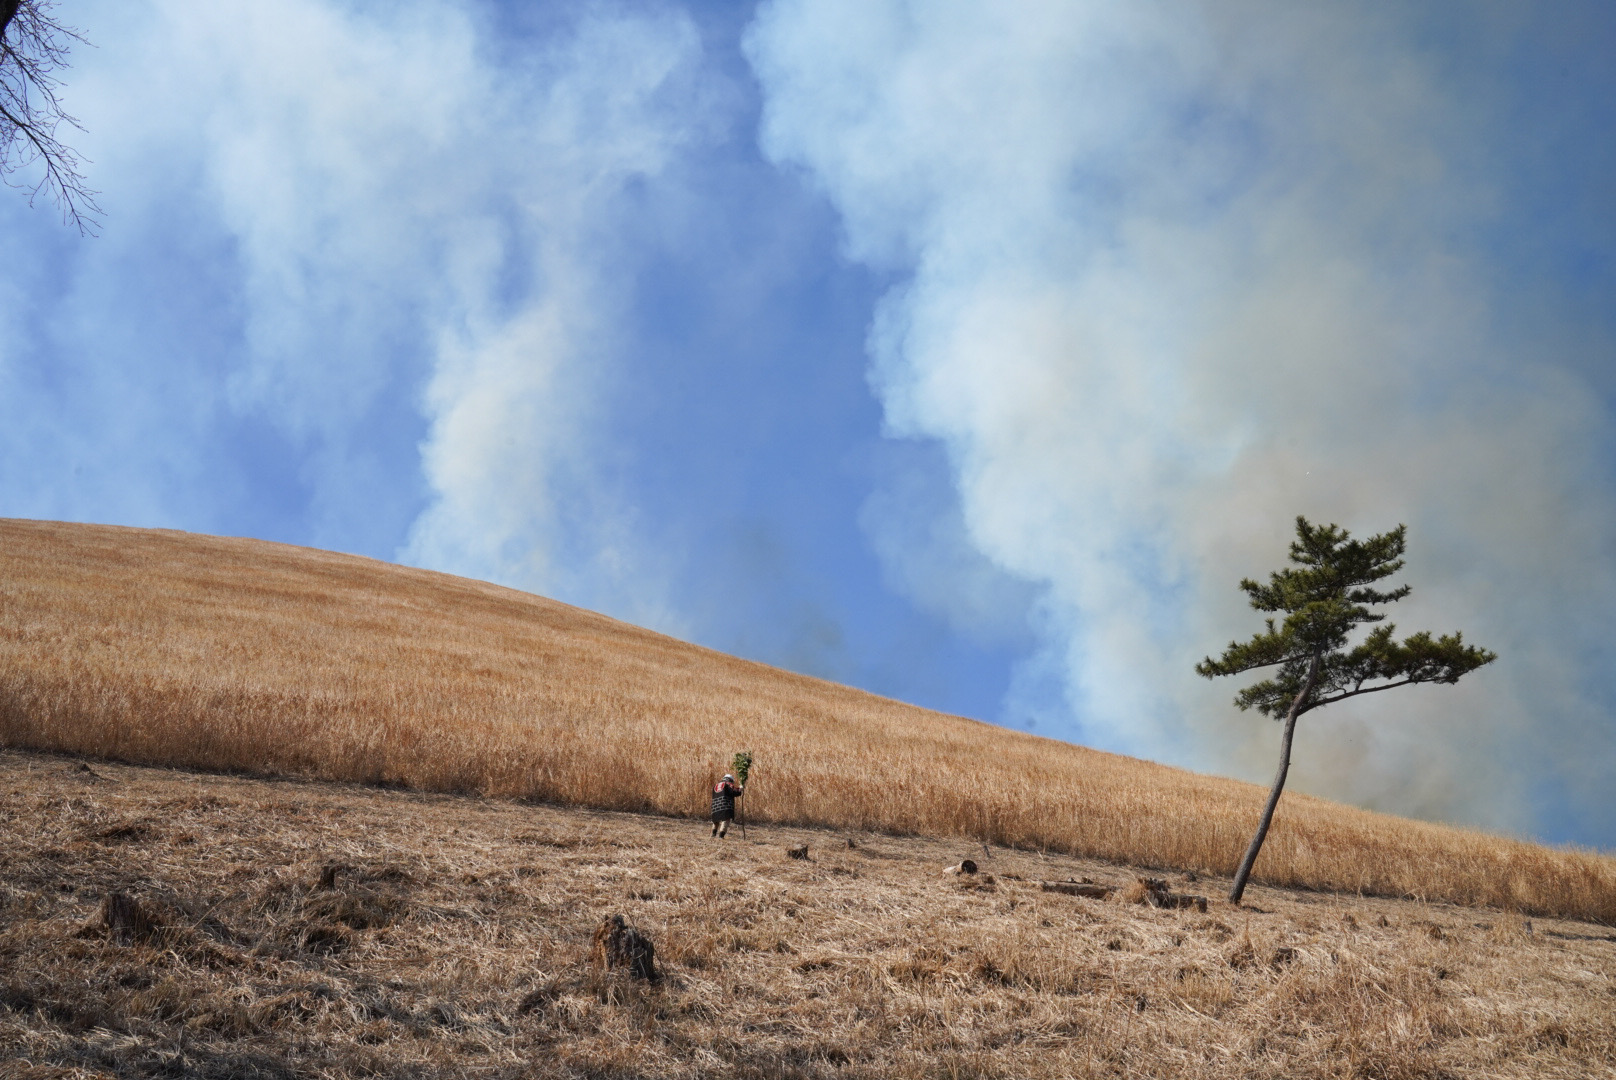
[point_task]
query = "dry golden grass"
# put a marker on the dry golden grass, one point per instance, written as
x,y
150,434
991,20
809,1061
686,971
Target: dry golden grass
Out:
x,y
454,943
222,654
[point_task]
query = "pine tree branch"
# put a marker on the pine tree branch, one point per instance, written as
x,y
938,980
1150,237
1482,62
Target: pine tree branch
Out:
x,y
1371,690
1211,668
1324,597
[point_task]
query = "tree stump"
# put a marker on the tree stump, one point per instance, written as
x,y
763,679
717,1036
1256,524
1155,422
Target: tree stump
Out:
x,y
618,946
126,920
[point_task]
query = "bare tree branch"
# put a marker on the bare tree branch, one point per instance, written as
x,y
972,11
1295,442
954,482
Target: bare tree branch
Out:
x,y
33,47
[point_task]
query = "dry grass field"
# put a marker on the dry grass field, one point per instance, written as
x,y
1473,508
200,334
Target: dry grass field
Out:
x,y
239,655
452,943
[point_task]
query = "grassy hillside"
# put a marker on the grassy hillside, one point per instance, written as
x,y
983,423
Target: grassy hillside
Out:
x,y
452,940
224,654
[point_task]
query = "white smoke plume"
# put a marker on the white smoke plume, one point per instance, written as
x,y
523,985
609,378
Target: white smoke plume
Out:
x,y
523,482
1173,273
410,217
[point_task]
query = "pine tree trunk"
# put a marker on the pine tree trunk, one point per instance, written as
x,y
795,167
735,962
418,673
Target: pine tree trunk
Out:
x,y
1239,888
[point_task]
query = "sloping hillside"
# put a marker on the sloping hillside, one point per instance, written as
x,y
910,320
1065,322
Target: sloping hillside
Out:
x,y
227,654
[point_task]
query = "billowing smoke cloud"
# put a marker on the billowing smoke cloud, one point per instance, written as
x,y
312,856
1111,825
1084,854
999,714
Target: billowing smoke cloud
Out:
x,y
1170,275
522,478
350,248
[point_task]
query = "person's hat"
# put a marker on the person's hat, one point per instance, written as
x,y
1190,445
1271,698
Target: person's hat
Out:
x,y
727,776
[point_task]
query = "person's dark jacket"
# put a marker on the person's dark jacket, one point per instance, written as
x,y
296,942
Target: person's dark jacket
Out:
x,y
724,796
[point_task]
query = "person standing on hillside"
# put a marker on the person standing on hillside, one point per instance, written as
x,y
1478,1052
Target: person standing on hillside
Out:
x,y
724,795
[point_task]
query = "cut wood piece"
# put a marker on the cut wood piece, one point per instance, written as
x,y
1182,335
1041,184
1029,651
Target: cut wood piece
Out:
x,y
1076,888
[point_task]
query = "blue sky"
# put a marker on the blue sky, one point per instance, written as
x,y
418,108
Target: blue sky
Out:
x,y
966,353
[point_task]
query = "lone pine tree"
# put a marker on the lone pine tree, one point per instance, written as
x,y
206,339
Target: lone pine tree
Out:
x,y
1325,596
